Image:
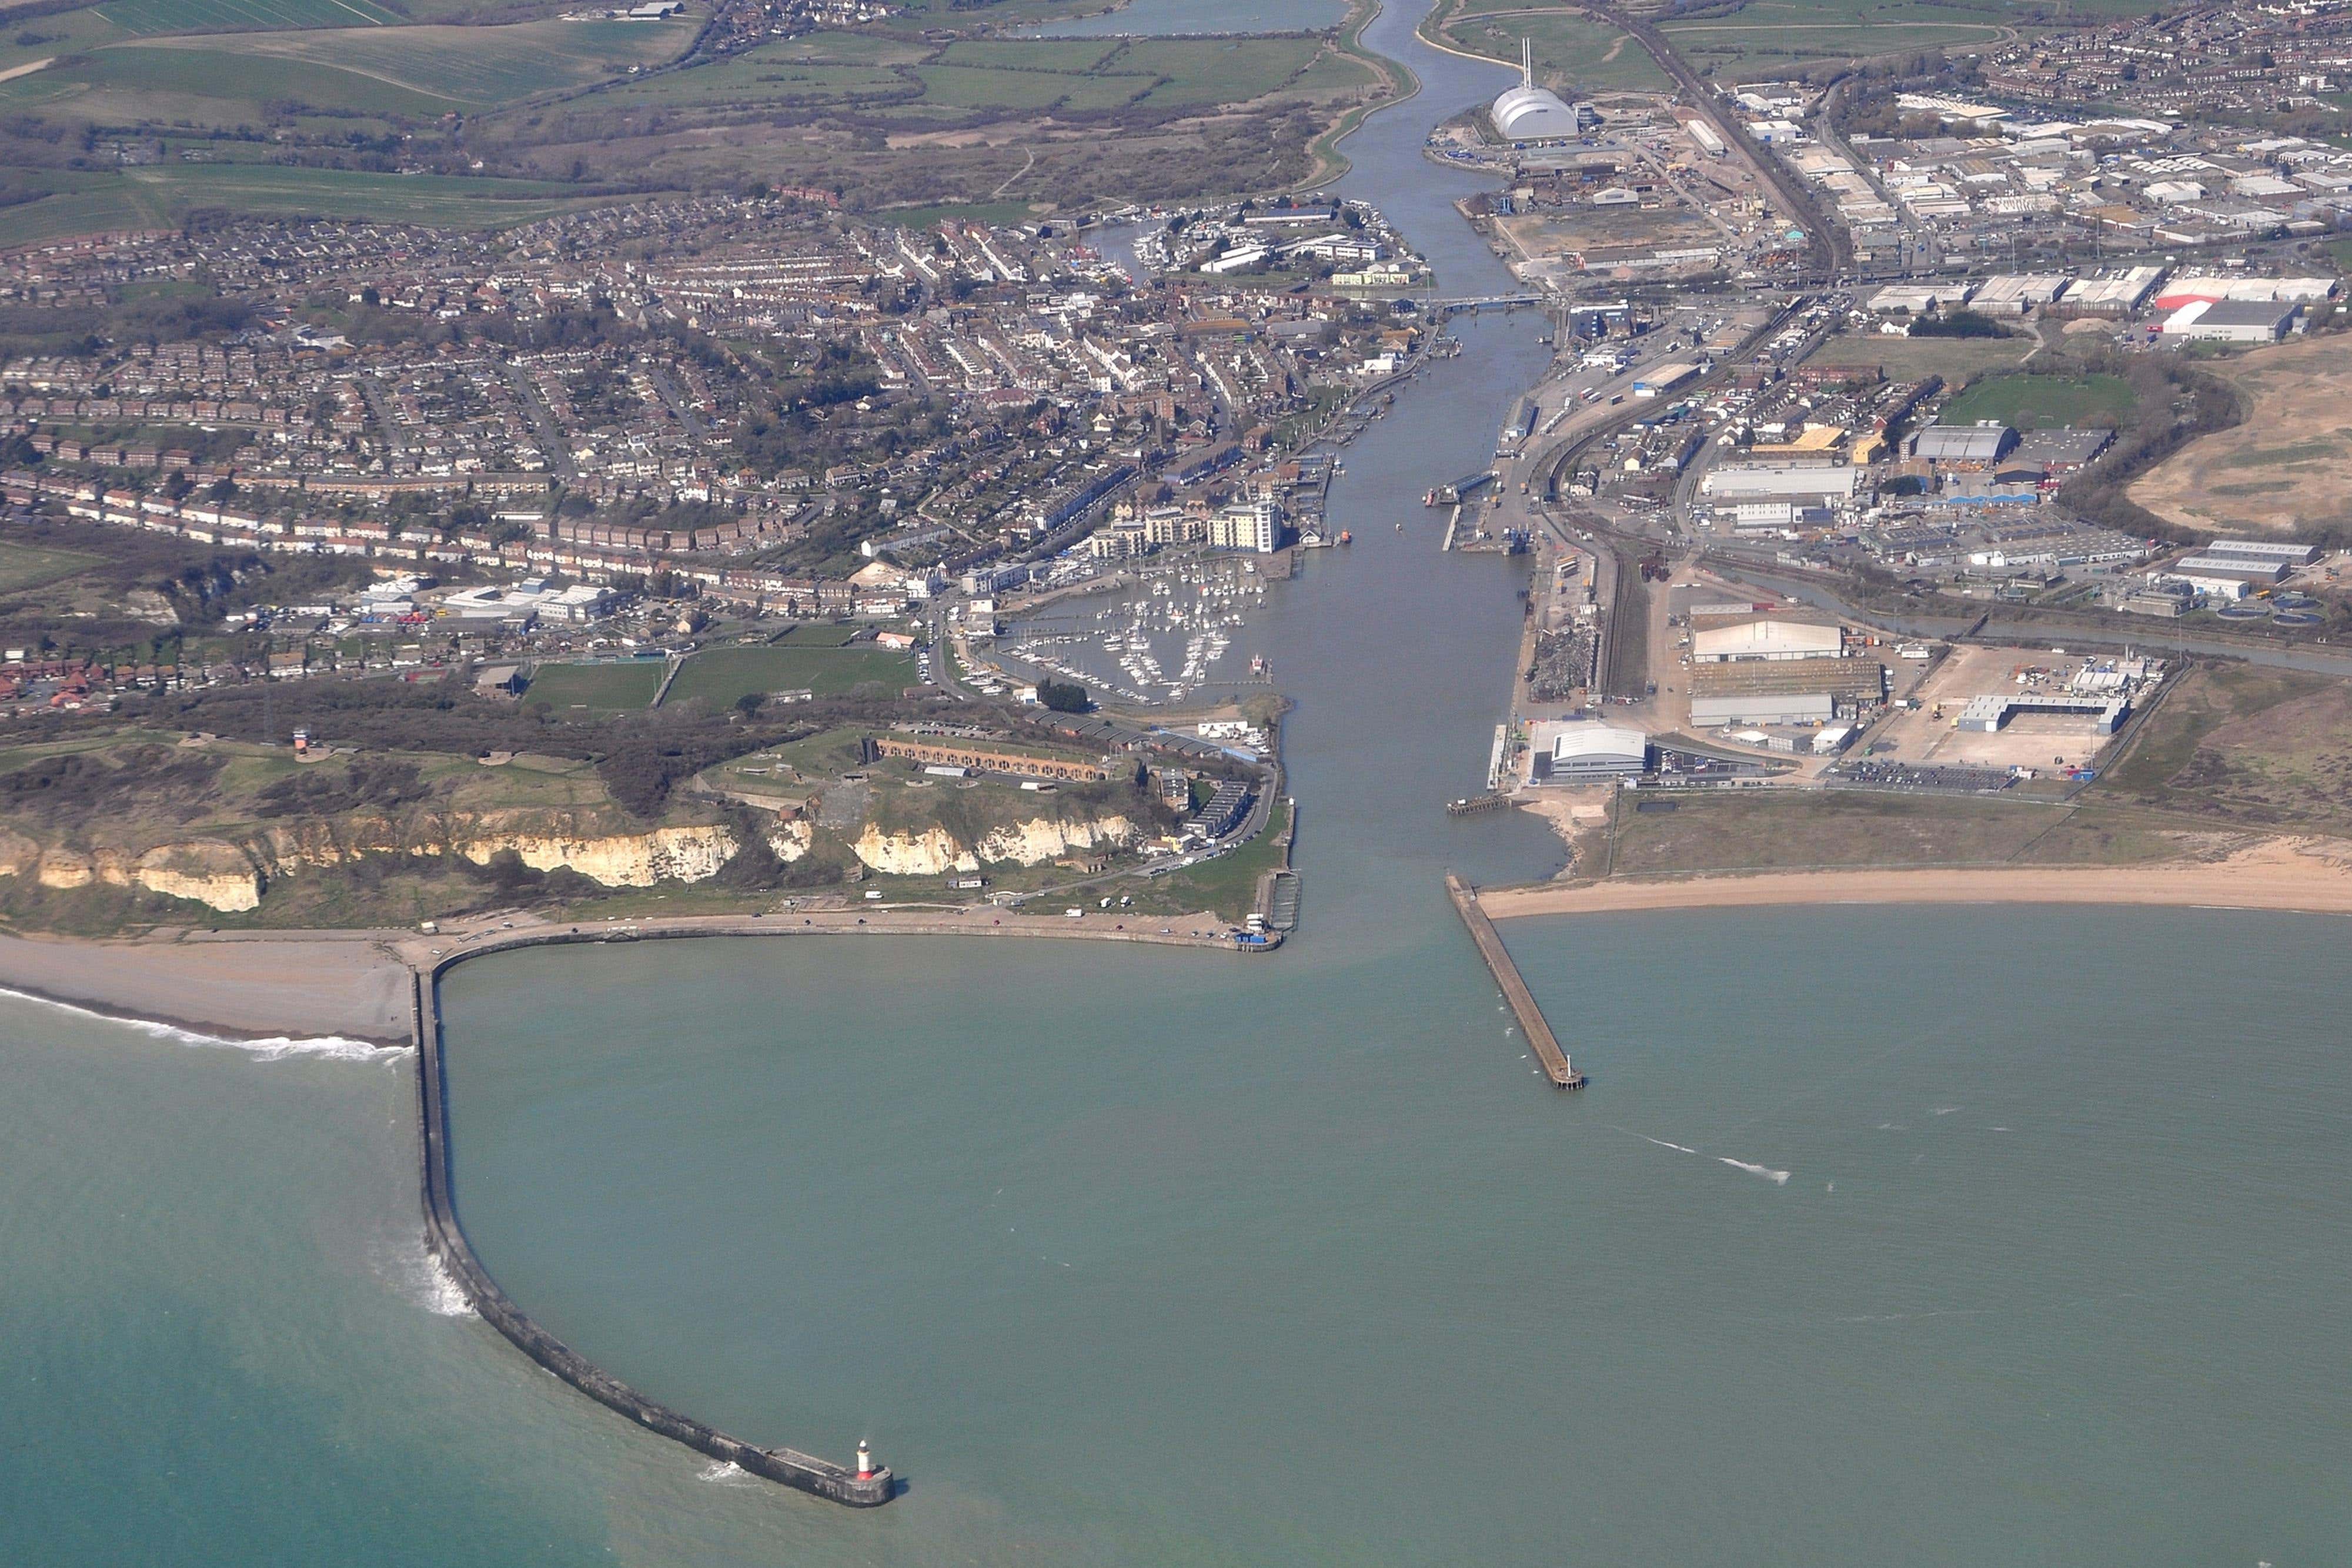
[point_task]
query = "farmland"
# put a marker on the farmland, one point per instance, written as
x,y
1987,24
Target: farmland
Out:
x,y
559,111
479,66
418,73
144,18
720,677
334,193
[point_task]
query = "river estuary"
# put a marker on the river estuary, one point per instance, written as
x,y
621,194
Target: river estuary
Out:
x,y
1936,1237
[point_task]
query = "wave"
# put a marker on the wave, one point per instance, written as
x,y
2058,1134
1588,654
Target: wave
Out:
x,y
268,1048
723,1472
442,1296
1777,1178
402,1263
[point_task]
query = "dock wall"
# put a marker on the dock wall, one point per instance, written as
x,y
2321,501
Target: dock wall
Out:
x,y
1556,1065
447,1242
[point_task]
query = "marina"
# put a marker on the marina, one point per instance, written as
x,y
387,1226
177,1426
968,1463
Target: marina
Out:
x,y
1177,633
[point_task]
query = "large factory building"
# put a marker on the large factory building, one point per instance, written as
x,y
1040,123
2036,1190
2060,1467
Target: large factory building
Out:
x,y
1531,113
1588,753
1765,640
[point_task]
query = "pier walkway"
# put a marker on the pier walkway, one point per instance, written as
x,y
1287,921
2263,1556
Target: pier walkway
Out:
x,y
1554,1062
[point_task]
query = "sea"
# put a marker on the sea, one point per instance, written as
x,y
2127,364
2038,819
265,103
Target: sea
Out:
x,y
1882,1236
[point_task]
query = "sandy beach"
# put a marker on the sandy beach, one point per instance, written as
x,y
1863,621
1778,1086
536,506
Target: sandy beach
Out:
x,y
269,985
302,985
2298,874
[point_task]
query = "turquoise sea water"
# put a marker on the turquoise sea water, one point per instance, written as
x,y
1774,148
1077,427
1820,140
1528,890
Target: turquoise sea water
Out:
x,y
1882,1236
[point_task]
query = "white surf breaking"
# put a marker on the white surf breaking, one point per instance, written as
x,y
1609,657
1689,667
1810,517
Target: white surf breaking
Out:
x,y
268,1048
724,1472
419,1277
442,1296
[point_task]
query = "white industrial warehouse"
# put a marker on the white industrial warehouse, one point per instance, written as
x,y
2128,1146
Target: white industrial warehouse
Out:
x,y
1531,113
1583,752
1765,640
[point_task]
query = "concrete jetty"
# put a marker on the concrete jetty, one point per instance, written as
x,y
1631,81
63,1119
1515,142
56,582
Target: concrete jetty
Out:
x,y
1554,1062
867,1486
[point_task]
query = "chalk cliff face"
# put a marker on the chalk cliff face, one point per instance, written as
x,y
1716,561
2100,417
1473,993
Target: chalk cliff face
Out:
x,y
788,840
231,872
931,852
1040,840
232,876
206,870
543,839
934,851
616,859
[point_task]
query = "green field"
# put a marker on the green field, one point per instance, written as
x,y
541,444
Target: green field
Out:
x,y
1766,37
1909,359
1583,54
2040,402
102,211
147,17
989,86
721,675
445,199
1029,54
214,80
418,73
1216,70
997,75
815,634
477,65
565,689
31,566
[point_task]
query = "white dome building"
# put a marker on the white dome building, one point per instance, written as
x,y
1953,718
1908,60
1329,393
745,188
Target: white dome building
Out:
x,y
1531,113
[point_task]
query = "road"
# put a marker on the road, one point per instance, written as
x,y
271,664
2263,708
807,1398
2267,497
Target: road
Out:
x,y
552,443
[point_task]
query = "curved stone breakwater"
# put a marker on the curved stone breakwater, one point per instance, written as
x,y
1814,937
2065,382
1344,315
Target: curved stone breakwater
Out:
x,y
447,1242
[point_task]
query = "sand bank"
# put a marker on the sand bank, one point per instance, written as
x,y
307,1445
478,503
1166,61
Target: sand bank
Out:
x,y
2299,874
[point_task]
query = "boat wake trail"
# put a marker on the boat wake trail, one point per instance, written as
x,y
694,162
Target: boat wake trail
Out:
x,y
270,1047
1777,1177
